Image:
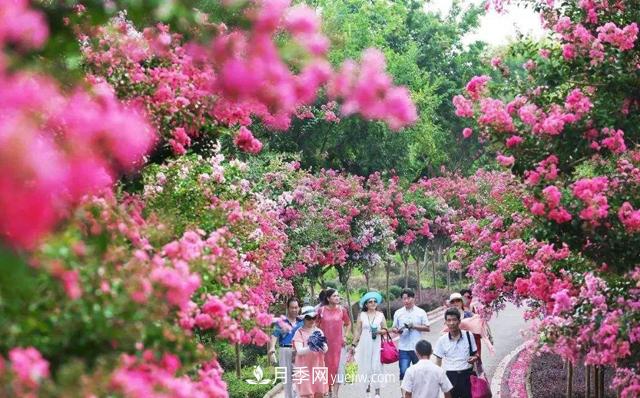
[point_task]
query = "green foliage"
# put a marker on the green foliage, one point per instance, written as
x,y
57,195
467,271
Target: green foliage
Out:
x,y
423,52
239,388
395,291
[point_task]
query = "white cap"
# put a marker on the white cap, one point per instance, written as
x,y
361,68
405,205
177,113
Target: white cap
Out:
x,y
308,310
455,296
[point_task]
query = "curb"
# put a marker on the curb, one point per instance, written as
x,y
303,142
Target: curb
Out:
x,y
498,374
274,391
436,315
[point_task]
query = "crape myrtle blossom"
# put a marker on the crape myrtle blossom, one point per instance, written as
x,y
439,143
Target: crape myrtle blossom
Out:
x,y
239,76
572,142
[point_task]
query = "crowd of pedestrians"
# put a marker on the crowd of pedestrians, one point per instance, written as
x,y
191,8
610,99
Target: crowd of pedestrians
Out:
x,y
311,347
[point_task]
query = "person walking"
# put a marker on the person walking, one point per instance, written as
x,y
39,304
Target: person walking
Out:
x,y
334,321
458,350
409,321
455,300
310,357
282,337
367,342
484,332
425,379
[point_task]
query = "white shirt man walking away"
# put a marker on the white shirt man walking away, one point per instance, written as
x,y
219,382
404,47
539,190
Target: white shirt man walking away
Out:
x,y
425,379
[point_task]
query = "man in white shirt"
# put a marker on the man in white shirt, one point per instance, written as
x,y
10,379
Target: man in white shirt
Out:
x,y
410,321
425,379
458,349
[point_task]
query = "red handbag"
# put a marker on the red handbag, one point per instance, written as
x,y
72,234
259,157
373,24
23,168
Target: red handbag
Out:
x,y
388,352
479,384
480,387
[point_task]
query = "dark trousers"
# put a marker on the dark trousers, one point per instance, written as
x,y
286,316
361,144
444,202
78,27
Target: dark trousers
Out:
x,y
461,381
406,359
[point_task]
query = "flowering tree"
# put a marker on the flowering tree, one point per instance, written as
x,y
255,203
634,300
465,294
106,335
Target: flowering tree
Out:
x,y
121,296
566,125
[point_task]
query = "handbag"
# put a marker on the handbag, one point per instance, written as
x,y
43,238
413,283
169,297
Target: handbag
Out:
x,y
388,351
479,384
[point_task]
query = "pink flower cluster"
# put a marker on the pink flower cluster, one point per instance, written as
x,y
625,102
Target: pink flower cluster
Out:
x,y
546,170
29,367
153,377
592,193
629,217
368,89
624,38
246,141
477,86
464,107
57,148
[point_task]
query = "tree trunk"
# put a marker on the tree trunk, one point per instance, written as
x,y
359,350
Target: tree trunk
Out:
x,y
344,273
439,255
388,271
596,381
587,382
366,279
405,261
418,266
601,382
313,292
569,380
238,360
448,279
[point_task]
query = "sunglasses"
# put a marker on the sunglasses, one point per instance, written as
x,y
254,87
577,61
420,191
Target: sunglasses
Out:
x,y
371,301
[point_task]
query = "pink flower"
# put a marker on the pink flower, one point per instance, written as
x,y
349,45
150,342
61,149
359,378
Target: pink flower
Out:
x,y
464,107
505,161
568,52
614,141
29,366
629,217
562,302
477,86
514,141
552,196
529,65
559,215
467,132
537,209
577,102
301,19
246,141
528,113
70,281
21,25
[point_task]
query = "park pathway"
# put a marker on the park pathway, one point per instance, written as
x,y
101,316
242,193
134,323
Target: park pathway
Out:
x,y
505,327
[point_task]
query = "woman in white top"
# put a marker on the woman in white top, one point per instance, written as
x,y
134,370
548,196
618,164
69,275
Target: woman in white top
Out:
x,y
368,342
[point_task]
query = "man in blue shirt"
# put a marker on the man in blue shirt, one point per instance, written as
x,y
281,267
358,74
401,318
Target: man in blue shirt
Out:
x,y
282,336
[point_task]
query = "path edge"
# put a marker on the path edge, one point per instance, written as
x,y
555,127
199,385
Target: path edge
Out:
x,y
498,374
275,390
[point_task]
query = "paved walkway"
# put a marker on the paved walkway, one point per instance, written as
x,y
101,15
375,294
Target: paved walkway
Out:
x,y
505,327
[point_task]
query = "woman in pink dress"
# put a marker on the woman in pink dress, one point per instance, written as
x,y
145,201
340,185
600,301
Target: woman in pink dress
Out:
x,y
334,320
309,374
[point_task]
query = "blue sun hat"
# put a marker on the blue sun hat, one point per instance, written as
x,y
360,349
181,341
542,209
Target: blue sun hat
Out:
x,y
370,295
